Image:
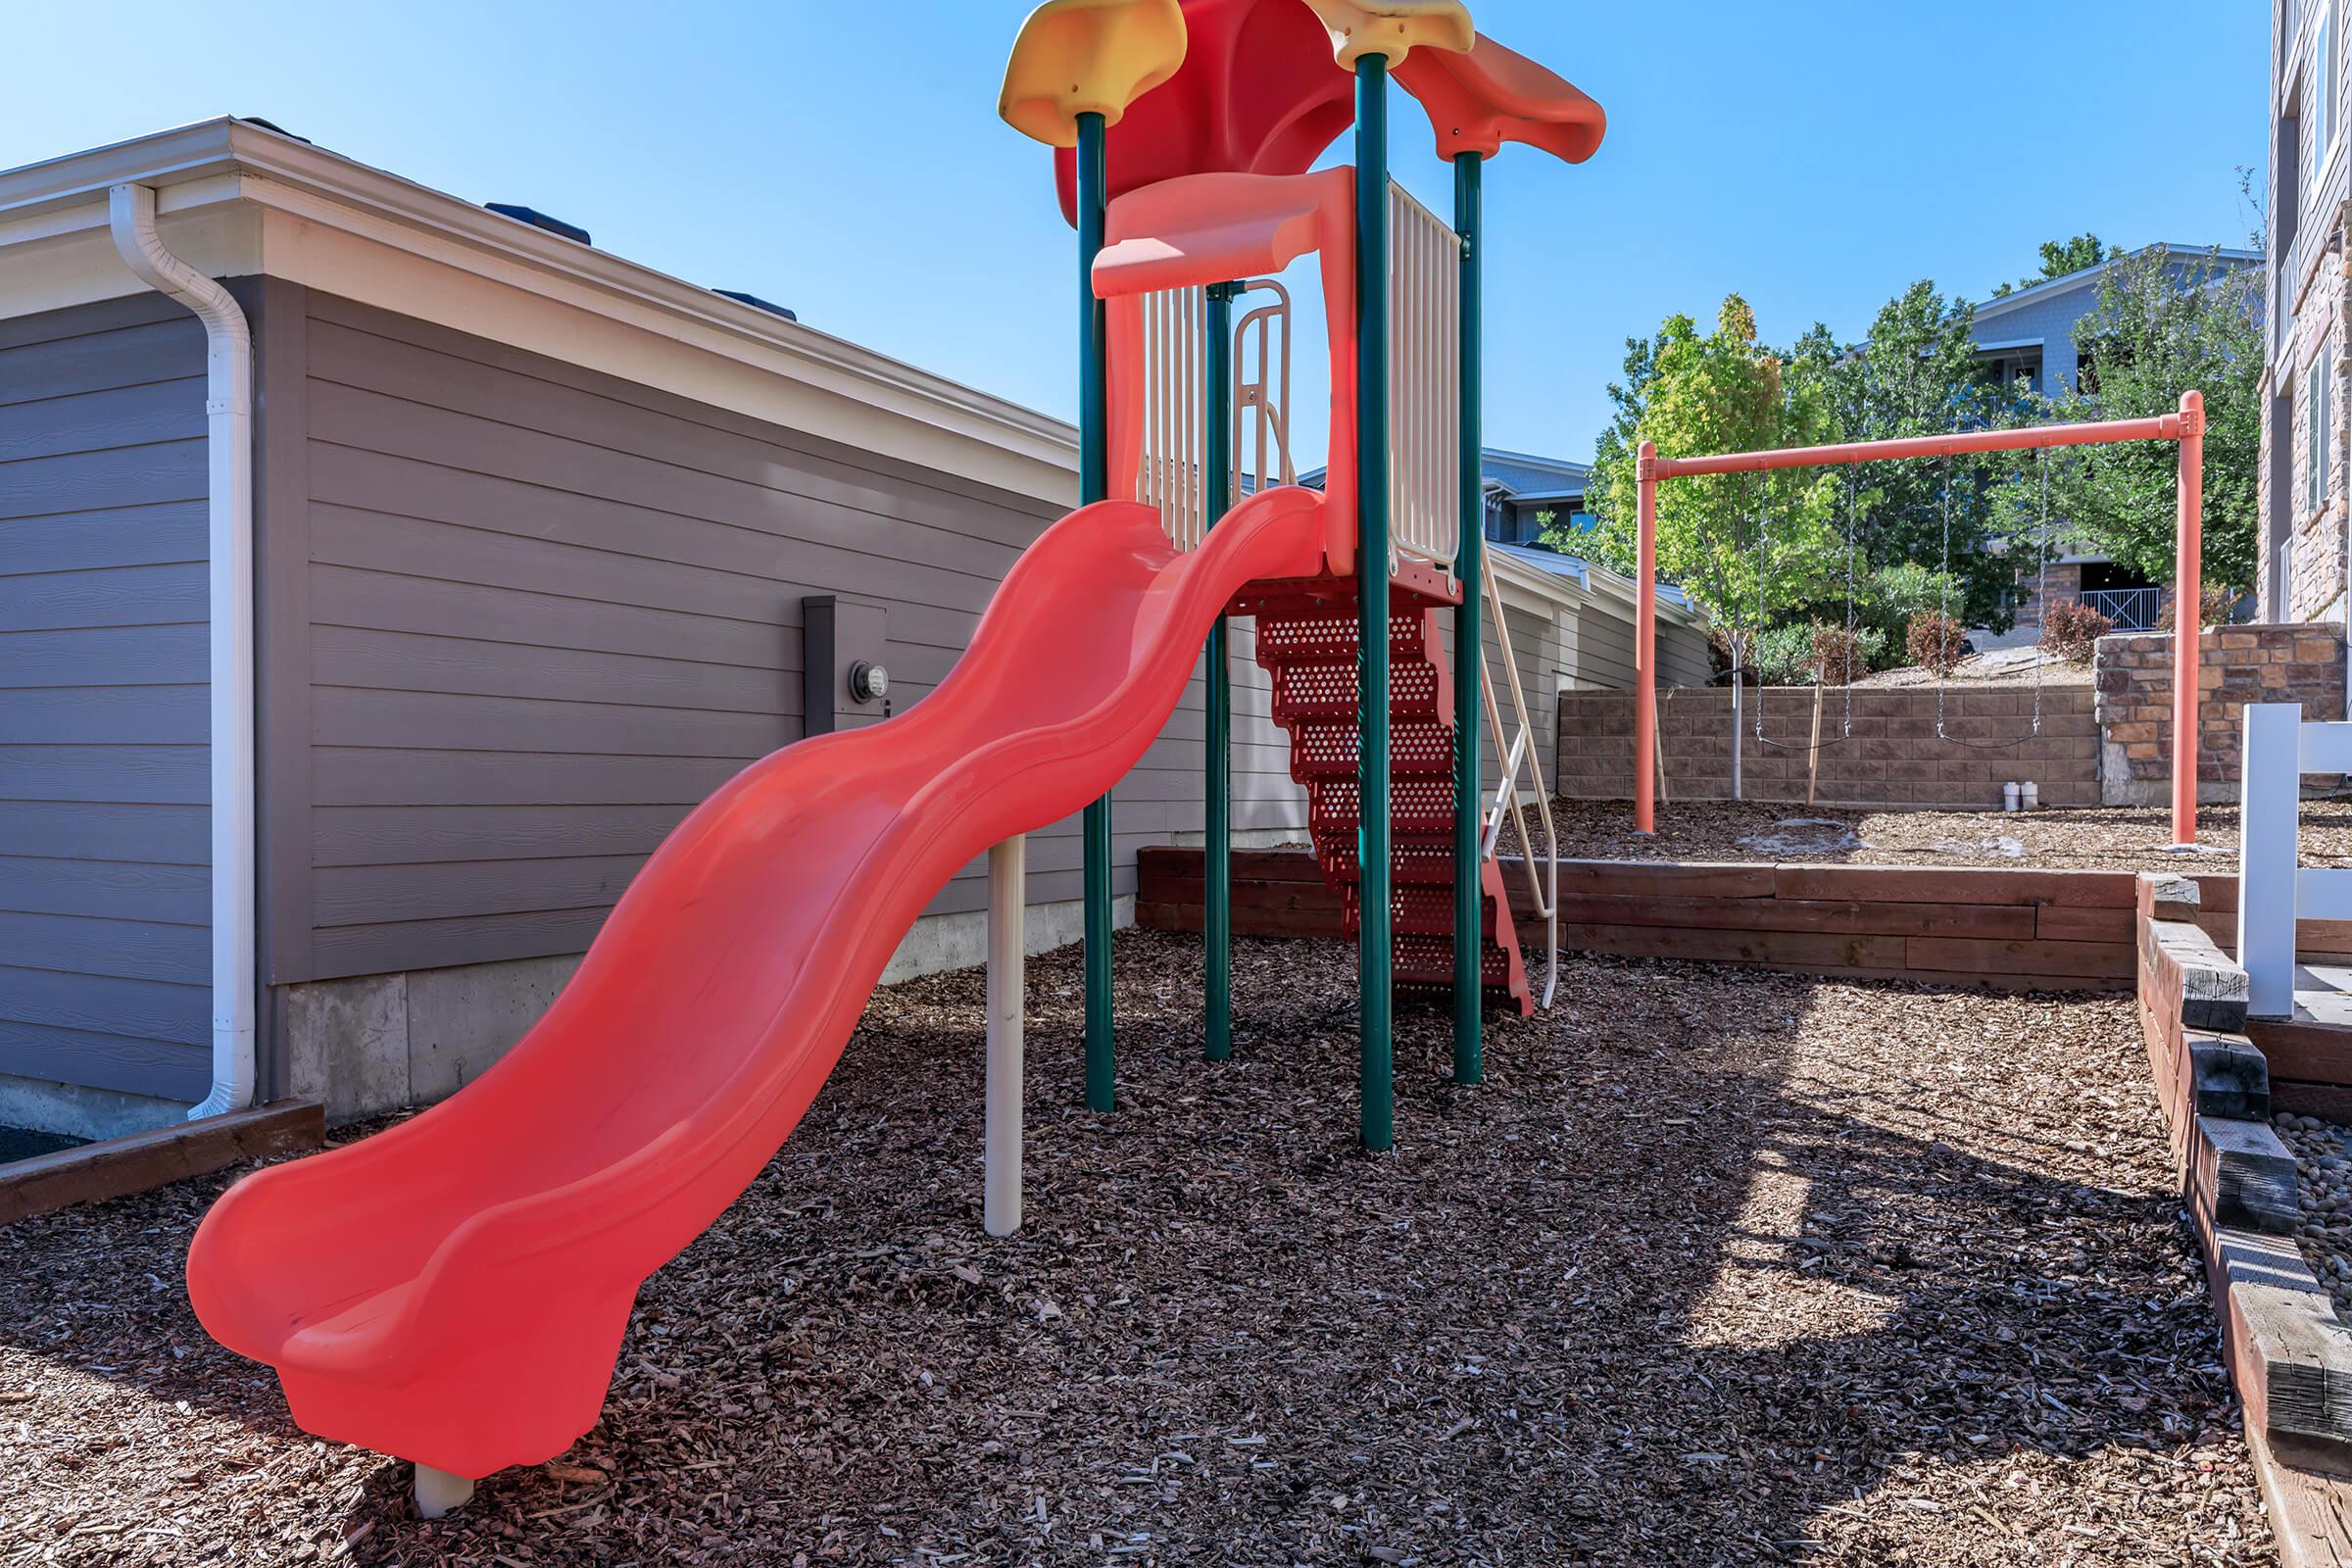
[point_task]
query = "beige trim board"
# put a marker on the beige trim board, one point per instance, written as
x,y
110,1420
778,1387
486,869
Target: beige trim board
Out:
x,y
238,200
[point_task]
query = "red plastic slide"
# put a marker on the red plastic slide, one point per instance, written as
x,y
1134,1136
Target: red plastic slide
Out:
x,y
454,1290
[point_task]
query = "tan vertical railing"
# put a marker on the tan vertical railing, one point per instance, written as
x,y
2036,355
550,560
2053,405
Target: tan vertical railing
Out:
x,y
1425,391
1517,752
1170,475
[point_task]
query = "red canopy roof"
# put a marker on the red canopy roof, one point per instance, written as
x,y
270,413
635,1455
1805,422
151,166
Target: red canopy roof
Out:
x,y
1477,101
1258,93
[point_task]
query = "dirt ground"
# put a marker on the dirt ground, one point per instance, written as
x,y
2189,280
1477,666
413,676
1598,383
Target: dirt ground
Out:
x,y
2112,838
1717,1267
1999,666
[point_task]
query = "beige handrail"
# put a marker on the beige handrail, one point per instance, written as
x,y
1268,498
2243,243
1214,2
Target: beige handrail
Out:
x,y
1261,403
1518,752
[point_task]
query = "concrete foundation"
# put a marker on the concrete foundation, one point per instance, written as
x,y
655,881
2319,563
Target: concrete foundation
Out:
x,y
373,1043
74,1112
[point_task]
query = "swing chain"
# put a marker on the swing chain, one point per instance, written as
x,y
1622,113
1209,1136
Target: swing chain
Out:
x,y
1850,650
2041,590
1943,603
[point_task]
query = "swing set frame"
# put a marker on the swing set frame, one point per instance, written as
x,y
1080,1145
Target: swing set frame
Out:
x,y
2186,428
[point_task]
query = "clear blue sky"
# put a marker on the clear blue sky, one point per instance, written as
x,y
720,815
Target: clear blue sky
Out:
x,y
1816,156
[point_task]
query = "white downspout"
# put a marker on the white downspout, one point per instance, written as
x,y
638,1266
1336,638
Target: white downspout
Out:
x,y
229,438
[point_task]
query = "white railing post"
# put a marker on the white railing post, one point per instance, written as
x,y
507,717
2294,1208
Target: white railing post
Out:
x,y
1424,414
2269,794
1518,752
1007,913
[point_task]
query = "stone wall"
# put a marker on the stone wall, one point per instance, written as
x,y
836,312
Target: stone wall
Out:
x,y
1890,757
2291,663
2303,514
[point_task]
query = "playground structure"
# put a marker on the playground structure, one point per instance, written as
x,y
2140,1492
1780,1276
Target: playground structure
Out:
x,y
455,1290
2187,428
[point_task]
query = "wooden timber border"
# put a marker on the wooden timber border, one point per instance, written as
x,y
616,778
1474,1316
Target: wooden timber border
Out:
x,y
1990,927
2290,1357
164,1154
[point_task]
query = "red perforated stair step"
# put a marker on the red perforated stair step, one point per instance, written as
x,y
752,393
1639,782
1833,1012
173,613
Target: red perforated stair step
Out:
x,y
1307,641
1326,689
1327,748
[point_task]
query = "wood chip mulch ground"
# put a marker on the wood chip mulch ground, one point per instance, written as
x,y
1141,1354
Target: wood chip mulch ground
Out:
x,y
1717,1267
2099,838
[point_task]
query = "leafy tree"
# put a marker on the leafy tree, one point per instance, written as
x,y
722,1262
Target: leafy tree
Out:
x,y
1915,374
2156,330
1745,546
2060,256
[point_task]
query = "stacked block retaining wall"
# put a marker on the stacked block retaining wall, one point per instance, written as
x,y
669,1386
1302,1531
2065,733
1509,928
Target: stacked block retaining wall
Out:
x,y
1888,754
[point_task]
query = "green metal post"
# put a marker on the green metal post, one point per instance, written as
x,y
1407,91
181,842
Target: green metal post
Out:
x,y
1093,484
1375,954
1469,647
1217,849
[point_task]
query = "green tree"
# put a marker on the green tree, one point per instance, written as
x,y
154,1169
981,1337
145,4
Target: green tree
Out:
x,y
2060,256
1915,374
2157,330
1745,546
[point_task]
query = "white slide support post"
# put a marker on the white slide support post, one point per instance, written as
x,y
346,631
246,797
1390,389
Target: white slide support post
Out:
x,y
1008,914
2269,791
438,1493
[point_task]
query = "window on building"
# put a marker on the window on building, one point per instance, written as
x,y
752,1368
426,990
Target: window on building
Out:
x,y
2320,111
2315,436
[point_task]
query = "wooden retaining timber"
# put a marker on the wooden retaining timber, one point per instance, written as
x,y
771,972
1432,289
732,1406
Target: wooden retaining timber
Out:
x,y
140,1161
1988,928
2290,1360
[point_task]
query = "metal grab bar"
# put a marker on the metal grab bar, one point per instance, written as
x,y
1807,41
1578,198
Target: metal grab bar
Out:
x,y
1261,403
1520,751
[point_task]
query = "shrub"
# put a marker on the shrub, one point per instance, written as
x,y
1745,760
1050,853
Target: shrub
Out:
x,y
1934,641
2072,629
2213,608
1840,656
1781,655
1890,596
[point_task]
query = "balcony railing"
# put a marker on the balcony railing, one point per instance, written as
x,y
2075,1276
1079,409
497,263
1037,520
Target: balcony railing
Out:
x,y
2130,608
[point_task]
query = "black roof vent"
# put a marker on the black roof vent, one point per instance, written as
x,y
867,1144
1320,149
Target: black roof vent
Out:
x,y
758,304
271,124
539,220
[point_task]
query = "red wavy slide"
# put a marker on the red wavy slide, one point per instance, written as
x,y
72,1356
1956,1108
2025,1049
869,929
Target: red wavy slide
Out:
x,y
454,1290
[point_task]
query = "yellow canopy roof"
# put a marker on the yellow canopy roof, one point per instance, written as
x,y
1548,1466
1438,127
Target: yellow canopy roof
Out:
x,y
1076,57
1393,28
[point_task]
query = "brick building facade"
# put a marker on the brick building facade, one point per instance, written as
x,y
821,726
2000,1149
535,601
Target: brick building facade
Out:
x,y
2301,478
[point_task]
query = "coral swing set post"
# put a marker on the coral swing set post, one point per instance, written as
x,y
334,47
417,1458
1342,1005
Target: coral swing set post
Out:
x,y
2185,426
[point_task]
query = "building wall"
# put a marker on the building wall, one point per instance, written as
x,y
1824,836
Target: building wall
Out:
x,y
2050,320
526,616
2236,666
104,828
2303,560
2313,574
1605,649
1891,756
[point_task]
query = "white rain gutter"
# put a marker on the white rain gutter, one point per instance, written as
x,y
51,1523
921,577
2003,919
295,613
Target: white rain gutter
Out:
x,y
228,438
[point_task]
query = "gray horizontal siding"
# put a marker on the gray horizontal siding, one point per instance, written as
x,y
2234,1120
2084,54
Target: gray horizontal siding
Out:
x,y
542,613
104,828
1605,644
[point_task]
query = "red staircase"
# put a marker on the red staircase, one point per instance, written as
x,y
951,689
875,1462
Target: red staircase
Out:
x,y
1306,640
